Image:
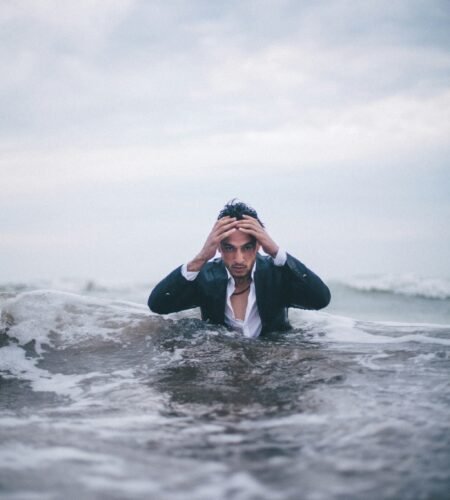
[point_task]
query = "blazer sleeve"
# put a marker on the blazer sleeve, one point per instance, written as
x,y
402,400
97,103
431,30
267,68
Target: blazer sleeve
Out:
x,y
303,288
174,293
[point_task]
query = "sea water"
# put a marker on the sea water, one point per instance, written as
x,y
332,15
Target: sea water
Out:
x,y
100,399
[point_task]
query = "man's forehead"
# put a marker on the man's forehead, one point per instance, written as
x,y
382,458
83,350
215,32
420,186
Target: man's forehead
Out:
x,y
238,238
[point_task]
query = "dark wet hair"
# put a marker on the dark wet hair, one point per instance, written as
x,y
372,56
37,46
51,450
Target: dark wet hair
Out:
x,y
236,208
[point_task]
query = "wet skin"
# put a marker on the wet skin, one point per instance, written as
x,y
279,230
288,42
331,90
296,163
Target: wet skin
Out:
x,y
238,253
228,227
238,242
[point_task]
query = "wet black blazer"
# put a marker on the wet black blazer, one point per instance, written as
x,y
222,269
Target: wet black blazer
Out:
x,y
277,288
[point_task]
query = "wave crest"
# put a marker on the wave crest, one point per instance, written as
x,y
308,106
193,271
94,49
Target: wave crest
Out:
x,y
408,284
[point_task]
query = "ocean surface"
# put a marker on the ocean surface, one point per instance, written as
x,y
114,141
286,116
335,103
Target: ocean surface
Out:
x,y
100,399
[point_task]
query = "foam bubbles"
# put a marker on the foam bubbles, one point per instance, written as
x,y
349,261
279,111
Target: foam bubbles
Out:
x,y
48,317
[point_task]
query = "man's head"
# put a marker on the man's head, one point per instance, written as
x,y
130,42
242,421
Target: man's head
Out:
x,y
235,208
239,250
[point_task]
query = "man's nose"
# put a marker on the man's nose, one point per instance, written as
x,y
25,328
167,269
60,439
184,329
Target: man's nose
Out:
x,y
239,256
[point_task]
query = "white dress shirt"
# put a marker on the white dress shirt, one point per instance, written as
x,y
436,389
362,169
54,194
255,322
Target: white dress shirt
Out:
x,y
251,325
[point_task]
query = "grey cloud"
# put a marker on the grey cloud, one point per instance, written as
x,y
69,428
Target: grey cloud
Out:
x,y
241,65
115,110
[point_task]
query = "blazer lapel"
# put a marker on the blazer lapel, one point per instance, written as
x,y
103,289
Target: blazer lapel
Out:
x,y
218,292
261,288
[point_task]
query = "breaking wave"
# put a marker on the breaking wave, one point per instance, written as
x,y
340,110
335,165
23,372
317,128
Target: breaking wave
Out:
x,y
402,284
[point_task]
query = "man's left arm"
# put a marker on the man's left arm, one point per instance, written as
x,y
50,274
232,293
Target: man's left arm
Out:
x,y
303,288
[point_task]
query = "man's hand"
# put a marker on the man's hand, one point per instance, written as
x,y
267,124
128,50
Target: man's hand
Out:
x,y
222,229
250,225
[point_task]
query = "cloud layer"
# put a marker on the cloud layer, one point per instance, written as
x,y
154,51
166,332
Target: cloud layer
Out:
x,y
211,100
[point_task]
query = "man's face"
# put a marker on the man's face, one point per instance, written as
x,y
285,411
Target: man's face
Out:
x,y
239,253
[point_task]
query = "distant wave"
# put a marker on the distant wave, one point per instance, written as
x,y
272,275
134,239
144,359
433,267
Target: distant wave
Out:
x,y
402,284
134,292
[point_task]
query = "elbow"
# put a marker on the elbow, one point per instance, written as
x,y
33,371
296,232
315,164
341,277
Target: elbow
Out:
x,y
151,305
327,298
162,302
155,304
319,299
324,298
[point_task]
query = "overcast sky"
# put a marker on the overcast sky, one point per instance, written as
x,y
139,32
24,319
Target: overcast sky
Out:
x,y
126,125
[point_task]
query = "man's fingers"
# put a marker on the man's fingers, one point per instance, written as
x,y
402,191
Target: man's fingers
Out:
x,y
225,226
226,234
247,218
222,224
222,229
225,220
249,222
246,229
249,227
251,232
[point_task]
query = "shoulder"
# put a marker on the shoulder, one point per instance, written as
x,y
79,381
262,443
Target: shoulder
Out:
x,y
265,263
213,270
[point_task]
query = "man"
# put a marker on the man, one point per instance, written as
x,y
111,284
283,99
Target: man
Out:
x,y
242,289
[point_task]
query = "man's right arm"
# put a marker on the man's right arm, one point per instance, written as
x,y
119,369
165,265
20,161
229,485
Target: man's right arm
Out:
x,y
178,291
222,229
174,293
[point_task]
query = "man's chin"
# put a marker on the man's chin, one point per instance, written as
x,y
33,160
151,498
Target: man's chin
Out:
x,y
239,272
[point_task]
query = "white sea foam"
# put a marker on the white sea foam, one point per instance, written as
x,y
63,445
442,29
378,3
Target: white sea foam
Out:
x,y
18,456
326,327
61,319
166,396
404,284
44,315
14,363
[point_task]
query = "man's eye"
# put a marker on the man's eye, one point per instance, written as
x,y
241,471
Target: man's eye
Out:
x,y
248,247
